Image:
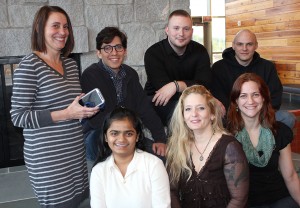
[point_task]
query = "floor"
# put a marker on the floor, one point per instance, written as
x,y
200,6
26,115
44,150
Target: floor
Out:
x,y
16,192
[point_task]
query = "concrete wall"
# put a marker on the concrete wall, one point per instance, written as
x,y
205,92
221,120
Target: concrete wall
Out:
x,y
142,20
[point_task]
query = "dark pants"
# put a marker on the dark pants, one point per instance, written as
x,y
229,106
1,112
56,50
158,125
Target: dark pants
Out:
x,y
164,112
287,202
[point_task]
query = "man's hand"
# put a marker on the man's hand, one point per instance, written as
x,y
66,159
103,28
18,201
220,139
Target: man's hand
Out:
x,y
164,94
159,148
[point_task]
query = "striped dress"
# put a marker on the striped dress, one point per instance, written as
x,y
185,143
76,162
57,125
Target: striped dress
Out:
x,y
54,153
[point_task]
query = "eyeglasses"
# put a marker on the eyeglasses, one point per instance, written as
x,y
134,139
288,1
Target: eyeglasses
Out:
x,y
109,48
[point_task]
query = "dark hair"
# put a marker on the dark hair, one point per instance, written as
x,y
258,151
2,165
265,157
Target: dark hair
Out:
x,y
267,113
38,30
180,12
119,113
107,34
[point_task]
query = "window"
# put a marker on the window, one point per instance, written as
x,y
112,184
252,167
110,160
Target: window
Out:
x,y
218,38
215,29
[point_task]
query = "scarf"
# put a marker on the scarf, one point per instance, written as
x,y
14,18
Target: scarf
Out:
x,y
260,155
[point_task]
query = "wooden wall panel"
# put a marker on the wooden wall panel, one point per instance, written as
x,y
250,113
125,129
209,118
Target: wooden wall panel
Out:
x,y
276,24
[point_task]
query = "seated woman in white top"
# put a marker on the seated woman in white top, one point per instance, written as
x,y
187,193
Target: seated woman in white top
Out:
x,y
124,175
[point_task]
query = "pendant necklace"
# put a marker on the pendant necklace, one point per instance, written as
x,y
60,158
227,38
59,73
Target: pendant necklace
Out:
x,y
201,154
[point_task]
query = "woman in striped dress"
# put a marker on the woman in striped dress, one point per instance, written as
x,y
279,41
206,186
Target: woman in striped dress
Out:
x,y
46,92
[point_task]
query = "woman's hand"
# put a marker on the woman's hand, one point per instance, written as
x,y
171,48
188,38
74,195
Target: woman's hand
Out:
x,y
74,111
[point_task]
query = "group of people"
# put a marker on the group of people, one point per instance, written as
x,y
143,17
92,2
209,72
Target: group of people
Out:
x,y
196,162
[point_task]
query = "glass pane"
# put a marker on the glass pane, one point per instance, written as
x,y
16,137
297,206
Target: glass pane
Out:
x,y
218,34
198,34
218,7
217,57
198,8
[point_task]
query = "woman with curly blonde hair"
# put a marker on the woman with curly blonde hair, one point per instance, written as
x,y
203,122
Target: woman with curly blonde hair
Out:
x,y
207,167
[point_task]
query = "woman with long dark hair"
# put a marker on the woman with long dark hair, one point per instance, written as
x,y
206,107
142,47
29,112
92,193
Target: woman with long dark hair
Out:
x,y
266,143
125,175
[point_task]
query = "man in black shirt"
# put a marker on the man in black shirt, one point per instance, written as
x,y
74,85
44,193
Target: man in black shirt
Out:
x,y
174,64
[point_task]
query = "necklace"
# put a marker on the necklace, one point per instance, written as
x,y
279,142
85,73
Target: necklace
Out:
x,y
201,154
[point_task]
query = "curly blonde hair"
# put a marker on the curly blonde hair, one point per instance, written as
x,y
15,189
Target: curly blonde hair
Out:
x,y
178,149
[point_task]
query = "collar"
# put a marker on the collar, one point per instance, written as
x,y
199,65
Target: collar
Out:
x,y
170,50
120,75
136,164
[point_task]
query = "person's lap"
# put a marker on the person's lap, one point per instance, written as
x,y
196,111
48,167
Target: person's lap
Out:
x,y
164,112
287,202
285,117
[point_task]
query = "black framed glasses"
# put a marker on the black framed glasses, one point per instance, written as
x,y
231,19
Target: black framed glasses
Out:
x,y
109,48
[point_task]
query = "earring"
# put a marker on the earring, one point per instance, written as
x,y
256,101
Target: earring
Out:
x,y
237,109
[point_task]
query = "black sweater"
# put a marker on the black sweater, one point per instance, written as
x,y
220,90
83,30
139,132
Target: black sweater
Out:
x,y
227,70
134,98
163,65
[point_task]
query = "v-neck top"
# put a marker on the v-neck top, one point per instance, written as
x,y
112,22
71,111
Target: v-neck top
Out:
x,y
51,68
208,188
53,151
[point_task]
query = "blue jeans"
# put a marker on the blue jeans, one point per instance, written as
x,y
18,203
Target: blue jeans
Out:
x,y
91,141
287,202
286,117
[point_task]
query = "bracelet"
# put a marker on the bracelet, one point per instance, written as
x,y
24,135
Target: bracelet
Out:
x,y
177,86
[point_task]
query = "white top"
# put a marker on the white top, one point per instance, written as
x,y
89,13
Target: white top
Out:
x,y
146,184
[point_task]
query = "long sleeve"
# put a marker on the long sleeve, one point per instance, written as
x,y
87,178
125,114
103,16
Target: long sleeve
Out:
x,y
96,190
145,183
26,111
175,200
221,83
160,186
163,65
275,86
237,175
